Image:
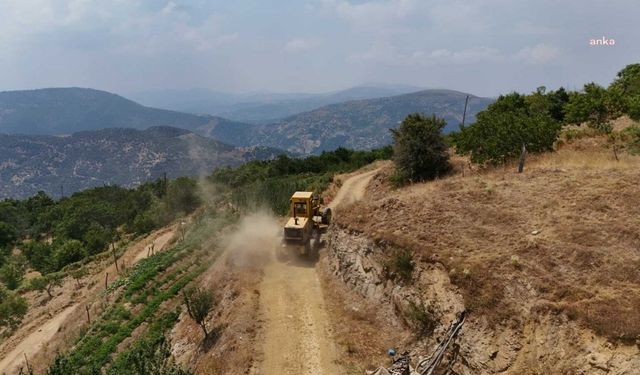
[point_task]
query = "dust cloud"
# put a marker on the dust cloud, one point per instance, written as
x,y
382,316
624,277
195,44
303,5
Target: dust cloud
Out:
x,y
253,243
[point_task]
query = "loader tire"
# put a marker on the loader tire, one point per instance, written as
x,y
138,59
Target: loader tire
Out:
x,y
326,216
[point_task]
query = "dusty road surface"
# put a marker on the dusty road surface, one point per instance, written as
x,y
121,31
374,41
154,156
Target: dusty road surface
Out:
x,y
159,243
297,331
352,189
297,339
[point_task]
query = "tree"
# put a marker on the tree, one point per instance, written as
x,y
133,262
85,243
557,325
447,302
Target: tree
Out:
x,y
199,303
39,255
633,107
503,128
628,81
12,272
79,273
8,234
12,308
97,238
46,283
594,105
144,223
68,252
419,149
558,100
182,196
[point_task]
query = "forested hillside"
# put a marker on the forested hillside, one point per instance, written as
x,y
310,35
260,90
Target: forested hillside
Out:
x,y
127,157
359,124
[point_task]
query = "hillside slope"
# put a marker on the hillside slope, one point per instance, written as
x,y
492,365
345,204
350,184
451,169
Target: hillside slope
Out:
x,y
361,124
544,262
57,111
124,157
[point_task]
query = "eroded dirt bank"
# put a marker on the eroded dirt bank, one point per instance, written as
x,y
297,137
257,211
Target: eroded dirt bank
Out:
x,y
533,334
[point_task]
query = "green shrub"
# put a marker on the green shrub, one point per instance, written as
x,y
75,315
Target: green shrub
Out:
x,y
419,149
68,252
12,309
199,304
633,107
40,255
97,238
8,234
12,272
422,319
143,223
631,136
400,265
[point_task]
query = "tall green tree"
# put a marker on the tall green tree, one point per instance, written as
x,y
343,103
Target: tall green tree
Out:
x,y
503,128
68,252
419,149
626,87
595,105
628,80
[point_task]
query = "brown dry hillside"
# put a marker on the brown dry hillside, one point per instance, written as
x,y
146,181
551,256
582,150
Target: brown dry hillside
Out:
x,y
563,238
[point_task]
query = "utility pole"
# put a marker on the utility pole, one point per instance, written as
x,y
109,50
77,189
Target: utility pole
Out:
x,y
61,191
165,183
464,114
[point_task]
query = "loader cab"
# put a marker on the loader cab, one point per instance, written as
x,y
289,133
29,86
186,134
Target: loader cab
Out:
x,y
301,204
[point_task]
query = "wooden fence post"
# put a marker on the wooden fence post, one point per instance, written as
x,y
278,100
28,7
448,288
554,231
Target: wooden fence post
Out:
x,y
115,258
523,154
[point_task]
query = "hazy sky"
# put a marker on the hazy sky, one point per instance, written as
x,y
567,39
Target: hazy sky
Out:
x,y
483,47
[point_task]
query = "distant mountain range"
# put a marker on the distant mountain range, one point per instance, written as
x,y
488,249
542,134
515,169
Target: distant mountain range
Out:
x,y
127,157
263,107
80,138
59,111
358,124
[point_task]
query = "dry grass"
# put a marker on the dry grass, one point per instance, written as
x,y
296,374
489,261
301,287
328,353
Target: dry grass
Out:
x,y
562,236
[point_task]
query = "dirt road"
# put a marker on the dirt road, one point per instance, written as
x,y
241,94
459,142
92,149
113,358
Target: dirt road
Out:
x,y
34,342
297,332
352,189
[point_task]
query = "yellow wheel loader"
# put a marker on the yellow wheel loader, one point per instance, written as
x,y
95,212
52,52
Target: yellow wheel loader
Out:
x,y
307,222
